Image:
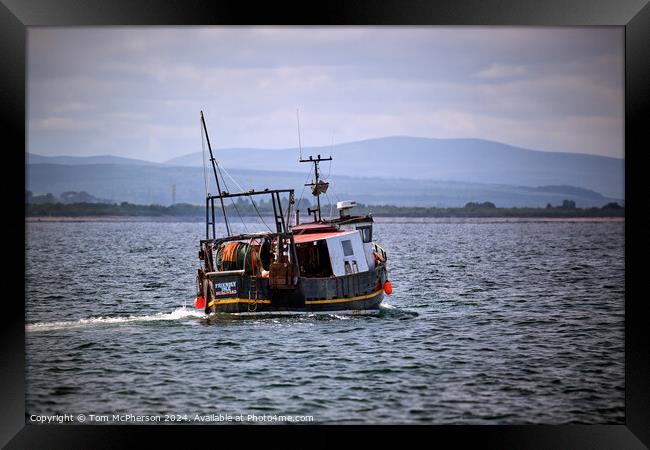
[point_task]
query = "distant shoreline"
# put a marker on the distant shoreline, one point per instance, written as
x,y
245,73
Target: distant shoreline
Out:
x,y
114,219
396,219
189,212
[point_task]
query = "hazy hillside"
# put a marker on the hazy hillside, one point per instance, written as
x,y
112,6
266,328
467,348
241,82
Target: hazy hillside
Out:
x,y
153,184
463,160
468,160
33,158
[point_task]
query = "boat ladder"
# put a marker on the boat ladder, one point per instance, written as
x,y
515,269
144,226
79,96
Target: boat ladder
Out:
x,y
253,294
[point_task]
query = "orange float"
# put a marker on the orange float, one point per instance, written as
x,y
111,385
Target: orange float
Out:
x,y
199,302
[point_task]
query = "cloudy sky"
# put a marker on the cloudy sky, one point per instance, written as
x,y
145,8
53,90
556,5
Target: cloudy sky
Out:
x,y
137,91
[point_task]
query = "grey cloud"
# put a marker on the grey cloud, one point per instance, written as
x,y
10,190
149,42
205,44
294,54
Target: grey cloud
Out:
x,y
137,91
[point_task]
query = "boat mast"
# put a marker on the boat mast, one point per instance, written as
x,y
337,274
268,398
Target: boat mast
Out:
x,y
318,187
214,169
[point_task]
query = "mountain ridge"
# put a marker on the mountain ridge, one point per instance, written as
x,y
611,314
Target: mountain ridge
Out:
x,y
460,159
172,161
34,158
153,184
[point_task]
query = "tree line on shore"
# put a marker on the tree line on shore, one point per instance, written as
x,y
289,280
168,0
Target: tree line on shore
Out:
x,y
247,209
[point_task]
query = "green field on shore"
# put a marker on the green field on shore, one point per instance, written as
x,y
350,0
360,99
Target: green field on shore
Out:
x,y
471,209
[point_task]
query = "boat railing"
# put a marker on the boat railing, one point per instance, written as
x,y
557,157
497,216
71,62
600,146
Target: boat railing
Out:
x,y
225,273
279,218
242,237
379,252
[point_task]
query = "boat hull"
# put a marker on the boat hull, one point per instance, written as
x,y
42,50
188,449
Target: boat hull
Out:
x,y
360,292
358,305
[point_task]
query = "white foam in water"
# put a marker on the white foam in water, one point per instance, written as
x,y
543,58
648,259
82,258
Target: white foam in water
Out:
x,y
178,313
387,305
341,316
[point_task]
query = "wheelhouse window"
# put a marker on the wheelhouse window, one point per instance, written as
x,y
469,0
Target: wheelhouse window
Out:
x,y
347,248
366,232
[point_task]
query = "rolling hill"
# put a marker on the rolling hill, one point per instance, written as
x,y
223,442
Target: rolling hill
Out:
x,y
152,184
468,160
404,171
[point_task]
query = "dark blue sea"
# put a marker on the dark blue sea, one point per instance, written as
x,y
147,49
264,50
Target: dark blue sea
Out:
x,y
489,323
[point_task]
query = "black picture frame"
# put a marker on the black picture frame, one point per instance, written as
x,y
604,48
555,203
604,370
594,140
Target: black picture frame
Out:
x,y
17,15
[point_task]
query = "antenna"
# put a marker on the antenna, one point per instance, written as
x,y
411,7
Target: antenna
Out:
x,y
329,170
299,142
318,187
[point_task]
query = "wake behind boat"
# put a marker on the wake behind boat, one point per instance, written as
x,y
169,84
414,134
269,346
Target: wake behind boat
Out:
x,y
324,265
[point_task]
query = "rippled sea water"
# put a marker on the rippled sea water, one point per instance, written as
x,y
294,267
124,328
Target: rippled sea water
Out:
x,y
489,323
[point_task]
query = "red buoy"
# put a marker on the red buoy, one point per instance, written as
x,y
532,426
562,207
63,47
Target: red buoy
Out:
x,y
199,302
388,287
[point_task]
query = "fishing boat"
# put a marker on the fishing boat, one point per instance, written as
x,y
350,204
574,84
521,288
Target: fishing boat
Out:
x,y
322,265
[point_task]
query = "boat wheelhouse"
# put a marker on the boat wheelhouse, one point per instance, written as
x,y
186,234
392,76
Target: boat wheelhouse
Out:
x,y
320,266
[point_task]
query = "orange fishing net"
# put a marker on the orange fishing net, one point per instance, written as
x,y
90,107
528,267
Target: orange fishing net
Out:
x,y
230,252
254,252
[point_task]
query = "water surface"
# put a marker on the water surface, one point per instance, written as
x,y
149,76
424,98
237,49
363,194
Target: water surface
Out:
x,y
489,323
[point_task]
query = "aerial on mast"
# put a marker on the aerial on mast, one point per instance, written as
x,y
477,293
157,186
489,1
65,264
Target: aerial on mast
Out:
x,y
299,141
318,186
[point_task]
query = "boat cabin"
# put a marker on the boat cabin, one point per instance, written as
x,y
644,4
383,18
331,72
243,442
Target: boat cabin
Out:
x,y
332,253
